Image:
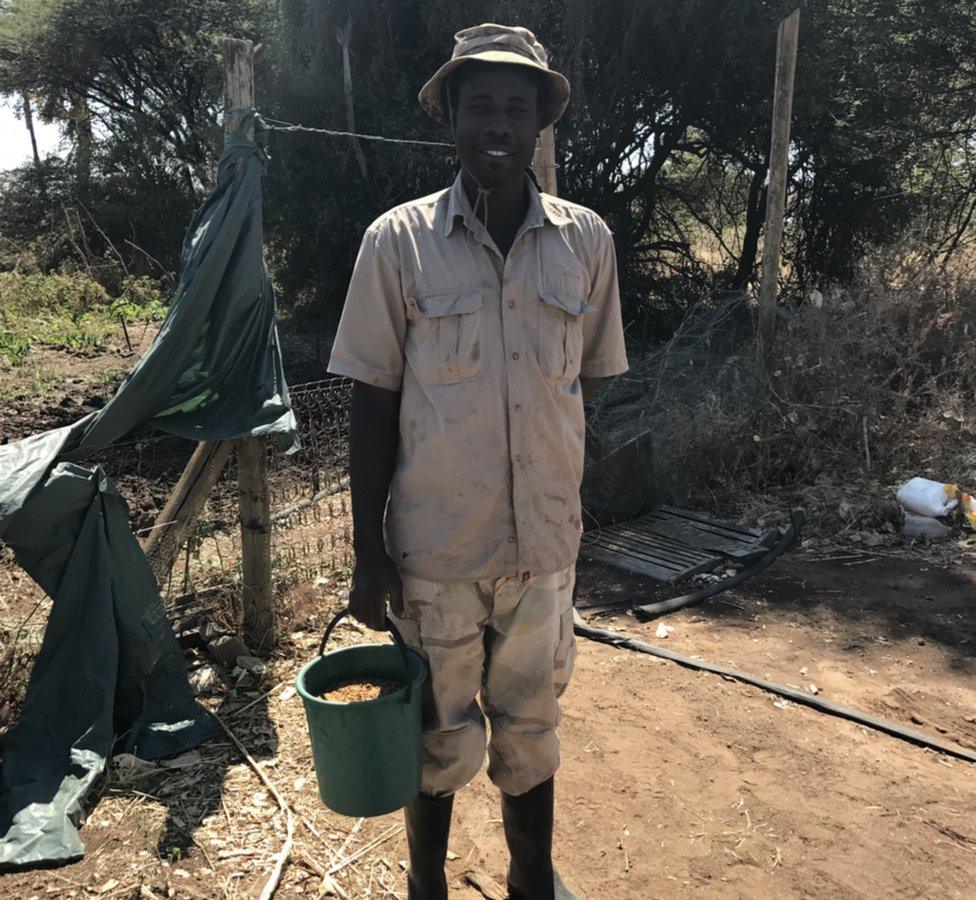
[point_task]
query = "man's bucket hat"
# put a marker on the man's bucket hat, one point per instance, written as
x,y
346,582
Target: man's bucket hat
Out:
x,y
497,44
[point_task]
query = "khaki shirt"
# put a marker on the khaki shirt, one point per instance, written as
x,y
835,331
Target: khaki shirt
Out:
x,y
487,352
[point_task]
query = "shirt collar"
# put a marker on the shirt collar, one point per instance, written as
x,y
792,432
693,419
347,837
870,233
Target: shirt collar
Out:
x,y
541,208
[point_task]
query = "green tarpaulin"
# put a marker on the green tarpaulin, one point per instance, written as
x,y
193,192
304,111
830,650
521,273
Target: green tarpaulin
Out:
x,y
110,675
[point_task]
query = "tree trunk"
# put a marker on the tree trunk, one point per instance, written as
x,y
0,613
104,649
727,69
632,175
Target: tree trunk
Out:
x,y
38,167
83,146
750,240
343,36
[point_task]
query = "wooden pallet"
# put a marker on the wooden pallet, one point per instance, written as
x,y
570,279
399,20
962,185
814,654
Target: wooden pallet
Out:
x,y
670,544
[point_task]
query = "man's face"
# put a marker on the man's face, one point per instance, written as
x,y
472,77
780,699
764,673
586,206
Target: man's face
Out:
x,y
496,123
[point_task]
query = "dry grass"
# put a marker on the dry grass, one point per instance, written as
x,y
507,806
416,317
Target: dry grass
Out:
x,y
863,386
207,825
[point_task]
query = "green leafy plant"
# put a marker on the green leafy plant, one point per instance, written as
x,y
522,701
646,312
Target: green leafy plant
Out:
x,y
14,347
70,311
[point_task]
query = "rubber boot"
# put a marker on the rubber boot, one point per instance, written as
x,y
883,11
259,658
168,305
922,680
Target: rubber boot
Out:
x,y
428,824
528,831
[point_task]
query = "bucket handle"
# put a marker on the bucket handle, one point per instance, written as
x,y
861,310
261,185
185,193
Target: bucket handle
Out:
x,y
397,639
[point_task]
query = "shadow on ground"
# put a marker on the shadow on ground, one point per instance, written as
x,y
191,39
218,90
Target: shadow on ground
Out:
x,y
895,598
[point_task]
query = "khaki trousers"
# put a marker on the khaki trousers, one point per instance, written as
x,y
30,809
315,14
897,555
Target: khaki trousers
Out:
x,y
509,640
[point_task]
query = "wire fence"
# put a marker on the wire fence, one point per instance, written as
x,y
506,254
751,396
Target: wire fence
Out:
x,y
308,492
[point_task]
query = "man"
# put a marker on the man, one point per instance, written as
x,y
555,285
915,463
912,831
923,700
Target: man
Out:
x,y
477,321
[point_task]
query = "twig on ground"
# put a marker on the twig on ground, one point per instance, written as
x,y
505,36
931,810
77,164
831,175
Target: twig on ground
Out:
x,y
210,862
349,837
867,446
271,884
317,834
233,854
328,882
256,700
485,885
362,851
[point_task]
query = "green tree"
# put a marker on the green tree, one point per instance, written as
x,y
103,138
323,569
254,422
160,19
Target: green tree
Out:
x,y
137,86
666,136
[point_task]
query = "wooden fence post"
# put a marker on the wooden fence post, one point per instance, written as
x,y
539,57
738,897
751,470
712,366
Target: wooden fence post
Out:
x,y
786,41
208,460
252,458
257,595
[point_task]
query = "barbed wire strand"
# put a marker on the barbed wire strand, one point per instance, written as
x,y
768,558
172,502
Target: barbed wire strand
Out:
x,y
278,125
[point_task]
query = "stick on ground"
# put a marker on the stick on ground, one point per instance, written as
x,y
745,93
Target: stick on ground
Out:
x,y
271,885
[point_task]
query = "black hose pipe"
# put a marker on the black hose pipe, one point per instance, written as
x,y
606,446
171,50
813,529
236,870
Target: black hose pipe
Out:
x,y
798,518
886,726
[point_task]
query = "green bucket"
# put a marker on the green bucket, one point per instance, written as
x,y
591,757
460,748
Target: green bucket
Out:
x,y
367,754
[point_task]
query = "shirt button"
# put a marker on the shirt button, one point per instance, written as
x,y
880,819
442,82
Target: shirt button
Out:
x,y
511,538
514,356
511,304
518,407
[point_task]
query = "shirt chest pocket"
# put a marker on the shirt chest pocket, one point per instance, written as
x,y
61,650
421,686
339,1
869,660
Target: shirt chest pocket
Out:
x,y
560,347
444,341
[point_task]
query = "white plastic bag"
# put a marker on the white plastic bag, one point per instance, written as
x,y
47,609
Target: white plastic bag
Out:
x,y
927,498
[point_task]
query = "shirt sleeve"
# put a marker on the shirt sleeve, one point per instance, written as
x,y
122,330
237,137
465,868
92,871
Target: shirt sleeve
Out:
x,y
604,353
369,342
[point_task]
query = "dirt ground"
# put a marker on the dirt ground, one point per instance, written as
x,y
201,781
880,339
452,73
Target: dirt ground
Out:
x,y
674,783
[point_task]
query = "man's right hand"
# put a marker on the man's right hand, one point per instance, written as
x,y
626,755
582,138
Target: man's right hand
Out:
x,y
375,581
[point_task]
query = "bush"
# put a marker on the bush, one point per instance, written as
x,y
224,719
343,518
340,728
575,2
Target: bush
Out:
x,y
71,311
141,298
864,385
36,294
881,374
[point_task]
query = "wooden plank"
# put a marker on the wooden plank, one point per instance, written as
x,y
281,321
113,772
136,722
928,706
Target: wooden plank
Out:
x,y
662,562
658,564
661,559
736,541
688,528
169,533
172,525
786,43
630,564
670,544
238,82
706,519
544,161
652,544
703,538
664,543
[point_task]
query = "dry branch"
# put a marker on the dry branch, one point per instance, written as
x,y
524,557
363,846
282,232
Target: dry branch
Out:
x,y
271,884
